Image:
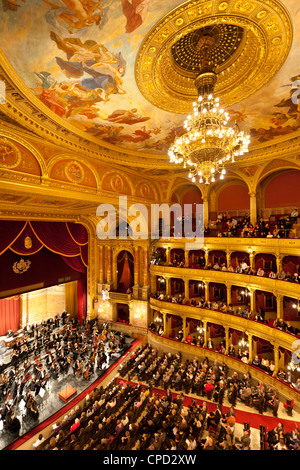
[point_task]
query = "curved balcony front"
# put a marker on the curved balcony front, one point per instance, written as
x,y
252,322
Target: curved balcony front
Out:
x,y
285,390
236,322
276,286
283,246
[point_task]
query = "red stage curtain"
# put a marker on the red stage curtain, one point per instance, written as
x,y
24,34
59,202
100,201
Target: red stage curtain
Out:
x,y
66,239
125,271
9,314
55,238
81,300
75,263
9,232
78,233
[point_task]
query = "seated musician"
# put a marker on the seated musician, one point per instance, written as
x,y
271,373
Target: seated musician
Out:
x,y
88,371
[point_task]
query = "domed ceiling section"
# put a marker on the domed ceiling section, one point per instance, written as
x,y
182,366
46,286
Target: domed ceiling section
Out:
x,y
122,71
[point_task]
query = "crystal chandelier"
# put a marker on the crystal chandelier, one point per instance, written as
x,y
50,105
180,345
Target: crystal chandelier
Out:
x,y
208,144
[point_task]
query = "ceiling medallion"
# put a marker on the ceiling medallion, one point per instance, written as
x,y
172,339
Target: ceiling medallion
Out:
x,y
254,39
208,144
10,155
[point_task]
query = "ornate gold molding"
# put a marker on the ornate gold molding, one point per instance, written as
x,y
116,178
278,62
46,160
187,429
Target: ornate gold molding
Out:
x,y
268,34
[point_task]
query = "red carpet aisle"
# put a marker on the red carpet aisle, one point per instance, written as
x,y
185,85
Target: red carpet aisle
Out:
x,y
73,403
254,419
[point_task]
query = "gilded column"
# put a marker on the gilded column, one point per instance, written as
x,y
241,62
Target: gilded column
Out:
x,y
168,255
205,331
206,256
228,286
252,300
253,208
136,266
250,347
186,289
101,262
228,258
186,258
108,264
227,339
252,259
168,286
205,211
165,324
279,303
206,284
279,258
184,328
276,360
146,267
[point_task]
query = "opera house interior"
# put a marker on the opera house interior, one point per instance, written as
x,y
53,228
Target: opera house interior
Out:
x,y
149,226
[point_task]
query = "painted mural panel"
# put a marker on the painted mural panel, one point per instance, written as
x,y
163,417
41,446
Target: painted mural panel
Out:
x,y
78,57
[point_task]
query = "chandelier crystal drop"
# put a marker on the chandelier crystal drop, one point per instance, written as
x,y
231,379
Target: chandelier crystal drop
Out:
x,y
208,145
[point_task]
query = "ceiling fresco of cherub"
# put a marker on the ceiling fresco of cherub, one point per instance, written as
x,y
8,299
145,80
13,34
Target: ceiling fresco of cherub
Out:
x,y
78,57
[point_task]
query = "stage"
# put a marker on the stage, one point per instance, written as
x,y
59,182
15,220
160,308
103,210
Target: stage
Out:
x,y
57,396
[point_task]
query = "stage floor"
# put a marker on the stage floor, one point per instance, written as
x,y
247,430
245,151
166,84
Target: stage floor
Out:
x,y
51,403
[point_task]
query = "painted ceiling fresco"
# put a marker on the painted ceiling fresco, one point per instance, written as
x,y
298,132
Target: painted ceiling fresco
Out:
x,y
78,57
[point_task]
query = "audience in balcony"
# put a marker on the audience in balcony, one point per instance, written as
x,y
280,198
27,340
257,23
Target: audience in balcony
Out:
x,y
241,268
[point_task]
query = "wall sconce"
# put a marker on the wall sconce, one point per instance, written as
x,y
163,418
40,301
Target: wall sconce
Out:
x,y
246,293
243,343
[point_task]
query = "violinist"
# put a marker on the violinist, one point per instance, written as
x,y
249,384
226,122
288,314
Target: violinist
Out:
x,y
83,350
49,359
79,369
54,370
88,371
31,406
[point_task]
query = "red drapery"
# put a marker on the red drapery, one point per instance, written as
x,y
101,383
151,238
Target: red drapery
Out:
x,y
64,238
125,270
9,314
81,300
27,238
